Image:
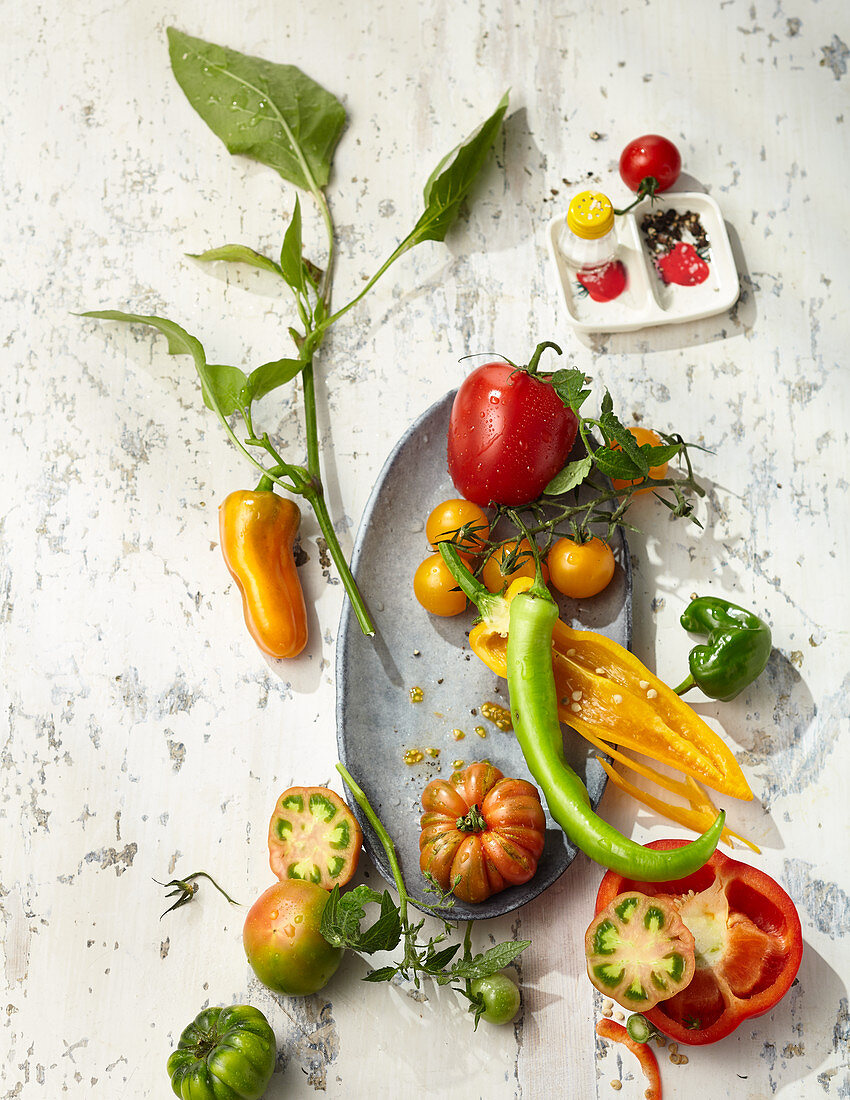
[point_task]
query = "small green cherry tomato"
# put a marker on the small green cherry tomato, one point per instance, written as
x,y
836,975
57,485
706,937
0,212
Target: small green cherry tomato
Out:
x,y
501,998
282,939
224,1052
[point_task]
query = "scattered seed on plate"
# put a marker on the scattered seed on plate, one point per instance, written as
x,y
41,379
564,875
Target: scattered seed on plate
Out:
x,y
480,731
458,735
416,694
414,756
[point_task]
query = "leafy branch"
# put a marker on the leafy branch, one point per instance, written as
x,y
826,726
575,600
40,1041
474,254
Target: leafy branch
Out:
x,y
562,511
277,115
435,958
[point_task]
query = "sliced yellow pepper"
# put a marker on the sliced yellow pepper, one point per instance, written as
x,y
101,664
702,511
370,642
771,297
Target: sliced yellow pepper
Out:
x,y
700,816
606,694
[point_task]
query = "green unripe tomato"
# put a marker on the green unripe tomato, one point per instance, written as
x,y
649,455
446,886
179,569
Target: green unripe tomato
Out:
x,y
501,998
282,940
223,1052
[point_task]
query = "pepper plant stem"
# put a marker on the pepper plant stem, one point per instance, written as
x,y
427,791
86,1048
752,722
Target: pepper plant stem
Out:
x,y
382,834
685,685
316,498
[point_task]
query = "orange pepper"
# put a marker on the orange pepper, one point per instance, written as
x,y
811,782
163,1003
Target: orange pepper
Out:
x,y
258,531
606,694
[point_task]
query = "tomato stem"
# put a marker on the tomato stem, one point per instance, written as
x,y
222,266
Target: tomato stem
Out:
x,y
538,351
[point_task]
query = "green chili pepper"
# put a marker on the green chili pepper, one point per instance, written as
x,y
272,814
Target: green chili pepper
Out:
x,y
534,707
736,652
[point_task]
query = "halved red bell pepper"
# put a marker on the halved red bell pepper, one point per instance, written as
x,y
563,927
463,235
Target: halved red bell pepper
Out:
x,y
748,945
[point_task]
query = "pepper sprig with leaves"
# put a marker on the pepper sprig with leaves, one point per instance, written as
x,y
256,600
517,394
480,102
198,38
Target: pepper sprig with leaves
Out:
x,y
277,115
435,958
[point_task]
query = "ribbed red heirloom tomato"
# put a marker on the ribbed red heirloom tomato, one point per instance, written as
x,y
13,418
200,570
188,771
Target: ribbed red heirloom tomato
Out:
x,y
509,434
748,945
480,832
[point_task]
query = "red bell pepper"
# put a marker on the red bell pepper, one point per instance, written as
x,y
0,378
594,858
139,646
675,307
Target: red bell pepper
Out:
x,y
748,945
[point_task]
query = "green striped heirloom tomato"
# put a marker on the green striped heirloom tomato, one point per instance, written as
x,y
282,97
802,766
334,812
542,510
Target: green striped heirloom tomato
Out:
x,y
314,836
224,1054
282,940
639,951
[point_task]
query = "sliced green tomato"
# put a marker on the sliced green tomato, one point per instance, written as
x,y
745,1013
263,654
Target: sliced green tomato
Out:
x,y
639,951
313,836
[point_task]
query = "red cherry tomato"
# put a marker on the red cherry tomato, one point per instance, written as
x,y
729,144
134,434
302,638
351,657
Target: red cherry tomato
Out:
x,y
650,155
509,434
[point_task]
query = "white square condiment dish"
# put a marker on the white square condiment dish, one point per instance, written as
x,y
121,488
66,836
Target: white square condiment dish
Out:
x,y
647,299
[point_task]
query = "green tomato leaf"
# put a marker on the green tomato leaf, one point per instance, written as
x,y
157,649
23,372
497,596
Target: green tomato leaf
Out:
x,y
452,179
238,254
572,475
292,264
342,915
220,385
497,958
272,113
382,974
268,377
615,432
657,456
570,387
616,464
439,960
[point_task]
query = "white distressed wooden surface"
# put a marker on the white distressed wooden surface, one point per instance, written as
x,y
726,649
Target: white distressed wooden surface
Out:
x,y
143,734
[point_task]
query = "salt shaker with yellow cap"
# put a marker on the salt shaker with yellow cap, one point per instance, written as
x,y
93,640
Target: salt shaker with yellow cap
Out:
x,y
588,239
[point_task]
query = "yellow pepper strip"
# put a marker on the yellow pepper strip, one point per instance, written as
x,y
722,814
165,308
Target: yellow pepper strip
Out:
x,y
698,817
604,692
689,790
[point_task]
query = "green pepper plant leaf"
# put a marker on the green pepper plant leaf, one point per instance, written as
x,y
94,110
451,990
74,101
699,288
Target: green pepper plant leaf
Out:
x,y
279,116
272,113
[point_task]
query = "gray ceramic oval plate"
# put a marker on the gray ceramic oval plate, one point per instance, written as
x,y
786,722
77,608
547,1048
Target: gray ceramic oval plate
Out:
x,y
376,721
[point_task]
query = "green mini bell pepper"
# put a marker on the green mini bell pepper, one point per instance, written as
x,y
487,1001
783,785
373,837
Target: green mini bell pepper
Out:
x,y
736,651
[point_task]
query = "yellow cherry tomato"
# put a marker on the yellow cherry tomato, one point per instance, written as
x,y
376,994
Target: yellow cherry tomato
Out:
x,y
580,569
436,589
643,435
493,577
448,518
